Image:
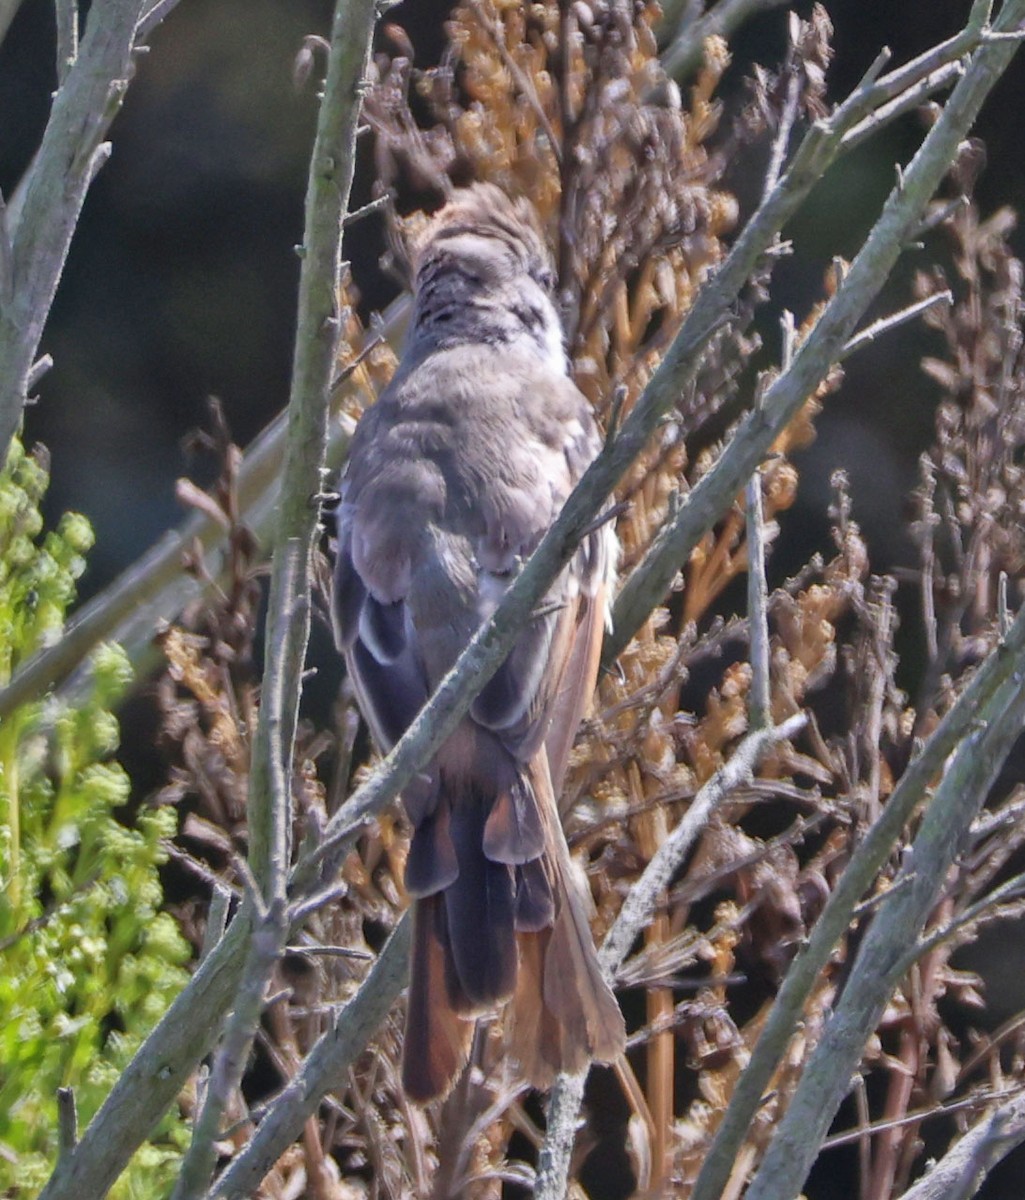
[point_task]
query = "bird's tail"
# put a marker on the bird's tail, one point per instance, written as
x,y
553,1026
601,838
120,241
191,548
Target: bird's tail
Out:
x,y
564,1014
488,928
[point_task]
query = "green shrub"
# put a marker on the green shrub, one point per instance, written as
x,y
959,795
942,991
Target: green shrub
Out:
x,y
88,961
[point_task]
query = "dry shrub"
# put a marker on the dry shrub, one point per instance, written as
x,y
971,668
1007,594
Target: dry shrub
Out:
x,y
567,103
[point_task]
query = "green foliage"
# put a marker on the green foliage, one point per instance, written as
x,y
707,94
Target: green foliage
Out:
x,y
87,960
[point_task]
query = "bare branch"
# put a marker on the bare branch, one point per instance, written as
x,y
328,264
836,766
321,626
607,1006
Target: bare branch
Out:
x,y
977,1100
1001,901
216,919
960,1172
38,369
41,224
757,606
894,321
563,1120
152,17
909,100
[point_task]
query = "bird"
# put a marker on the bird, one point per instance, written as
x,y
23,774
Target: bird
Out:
x,y
453,477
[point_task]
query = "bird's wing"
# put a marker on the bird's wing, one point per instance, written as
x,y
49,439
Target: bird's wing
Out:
x,y
446,494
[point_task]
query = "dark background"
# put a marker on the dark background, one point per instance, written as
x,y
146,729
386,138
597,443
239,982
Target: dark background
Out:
x,y
182,276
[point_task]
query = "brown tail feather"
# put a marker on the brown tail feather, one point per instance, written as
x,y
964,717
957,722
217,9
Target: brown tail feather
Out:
x,y
576,688
564,1012
534,1035
437,1039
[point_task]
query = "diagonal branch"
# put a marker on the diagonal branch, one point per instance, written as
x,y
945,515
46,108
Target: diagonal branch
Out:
x,y
879,964
960,1172
325,1064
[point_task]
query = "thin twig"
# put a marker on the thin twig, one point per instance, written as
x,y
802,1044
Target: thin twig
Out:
x,y
216,919
368,209
834,1141
975,913
268,807
953,49
894,321
781,142
152,17
989,1046
991,37
759,705
38,369
350,368
329,952
907,101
